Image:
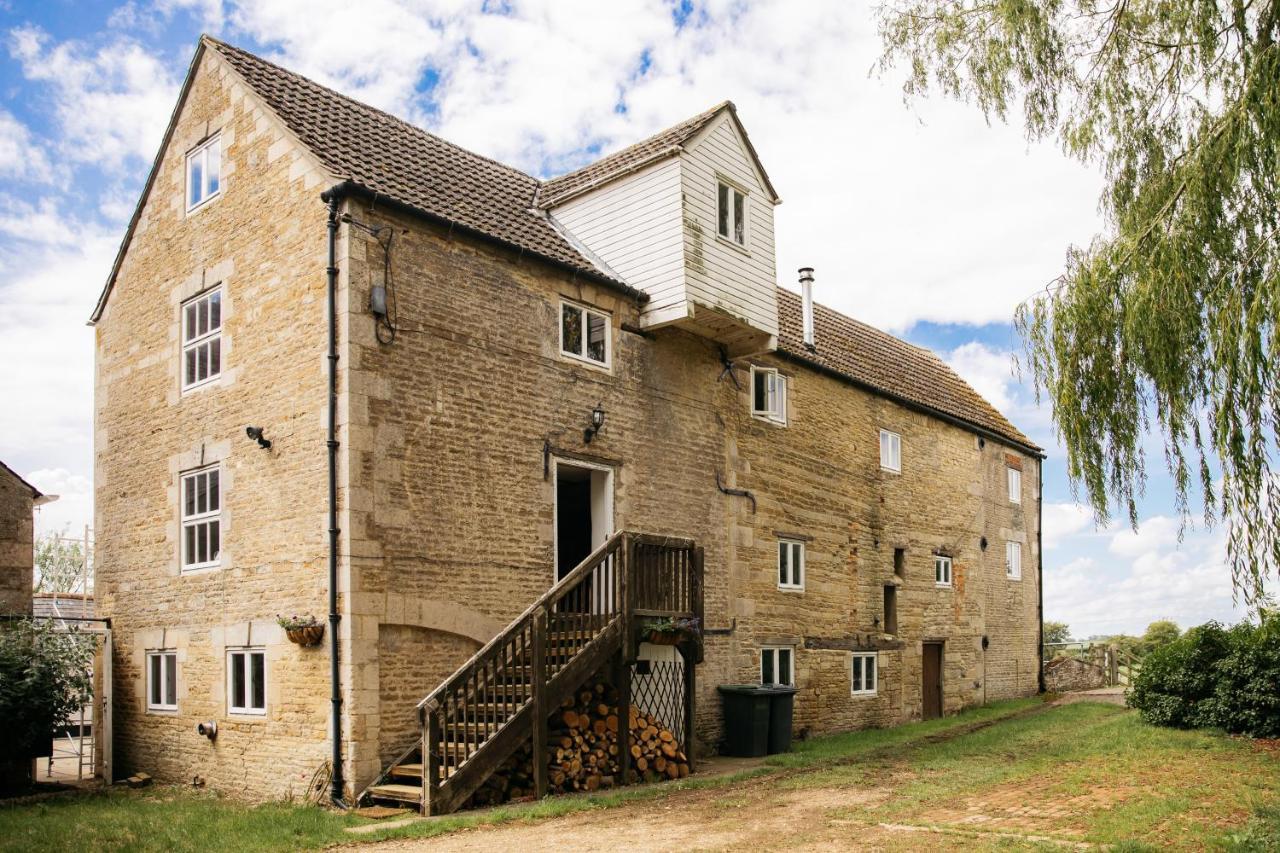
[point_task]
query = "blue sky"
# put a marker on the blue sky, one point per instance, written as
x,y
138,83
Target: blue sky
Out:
x,y
921,219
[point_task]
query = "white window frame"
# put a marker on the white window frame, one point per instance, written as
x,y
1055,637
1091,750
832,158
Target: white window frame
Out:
x,y
794,549
202,153
1013,560
195,340
167,680
738,200
208,519
858,663
773,651
943,570
890,451
1015,486
586,311
248,653
775,393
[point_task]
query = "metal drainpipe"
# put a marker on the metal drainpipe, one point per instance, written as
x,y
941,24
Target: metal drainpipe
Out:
x,y
1040,566
333,197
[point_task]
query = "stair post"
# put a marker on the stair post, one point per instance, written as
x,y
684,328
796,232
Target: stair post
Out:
x,y
538,704
624,663
431,742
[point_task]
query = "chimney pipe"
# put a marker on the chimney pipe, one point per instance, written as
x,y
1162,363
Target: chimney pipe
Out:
x,y
806,294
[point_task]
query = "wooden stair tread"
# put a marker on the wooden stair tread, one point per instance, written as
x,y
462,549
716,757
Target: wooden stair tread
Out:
x,y
403,793
413,771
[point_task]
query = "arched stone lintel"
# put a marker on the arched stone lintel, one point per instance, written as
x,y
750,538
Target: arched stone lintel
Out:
x,y
436,615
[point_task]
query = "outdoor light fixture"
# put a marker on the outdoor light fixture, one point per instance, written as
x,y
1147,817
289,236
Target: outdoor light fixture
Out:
x,y
378,300
597,424
255,433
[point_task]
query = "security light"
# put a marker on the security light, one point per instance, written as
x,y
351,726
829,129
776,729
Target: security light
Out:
x,y
255,433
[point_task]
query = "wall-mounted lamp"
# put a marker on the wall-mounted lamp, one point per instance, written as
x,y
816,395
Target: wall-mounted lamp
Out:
x,y
255,433
378,300
597,424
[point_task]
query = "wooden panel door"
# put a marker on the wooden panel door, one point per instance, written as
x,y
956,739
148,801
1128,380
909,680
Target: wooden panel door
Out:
x,y
931,686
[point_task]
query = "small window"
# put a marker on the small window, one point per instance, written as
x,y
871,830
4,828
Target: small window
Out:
x,y
584,334
202,339
731,214
1013,560
863,674
201,518
890,451
900,562
890,609
162,680
247,681
768,394
790,564
204,172
1015,486
777,665
942,570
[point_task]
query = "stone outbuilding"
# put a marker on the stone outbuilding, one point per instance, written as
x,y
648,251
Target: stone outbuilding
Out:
x,y
18,500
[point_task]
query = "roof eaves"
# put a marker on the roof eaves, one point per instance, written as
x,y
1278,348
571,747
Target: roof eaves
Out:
x,y
35,493
905,402
350,187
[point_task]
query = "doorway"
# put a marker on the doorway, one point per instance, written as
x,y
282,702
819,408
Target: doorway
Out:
x,y
583,512
931,685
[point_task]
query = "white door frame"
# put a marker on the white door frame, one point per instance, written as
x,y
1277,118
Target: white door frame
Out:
x,y
601,499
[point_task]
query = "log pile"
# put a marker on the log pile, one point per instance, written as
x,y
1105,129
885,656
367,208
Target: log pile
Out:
x,y
583,745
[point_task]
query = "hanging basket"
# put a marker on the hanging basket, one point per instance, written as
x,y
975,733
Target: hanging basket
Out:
x,y
665,638
308,636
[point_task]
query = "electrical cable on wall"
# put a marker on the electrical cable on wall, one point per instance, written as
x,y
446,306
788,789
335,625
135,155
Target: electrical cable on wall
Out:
x,y
382,300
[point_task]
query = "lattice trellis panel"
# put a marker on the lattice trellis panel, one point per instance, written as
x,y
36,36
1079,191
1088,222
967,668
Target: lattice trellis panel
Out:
x,y
661,692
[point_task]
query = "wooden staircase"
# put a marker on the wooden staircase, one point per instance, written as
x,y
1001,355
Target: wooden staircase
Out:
x,y
503,695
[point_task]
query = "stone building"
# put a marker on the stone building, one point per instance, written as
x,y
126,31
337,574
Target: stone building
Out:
x,y
523,369
18,500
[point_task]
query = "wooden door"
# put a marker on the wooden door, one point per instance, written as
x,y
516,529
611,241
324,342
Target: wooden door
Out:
x,y
931,686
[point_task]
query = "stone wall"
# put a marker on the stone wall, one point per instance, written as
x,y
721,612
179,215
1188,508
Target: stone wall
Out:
x,y
1063,675
263,241
16,543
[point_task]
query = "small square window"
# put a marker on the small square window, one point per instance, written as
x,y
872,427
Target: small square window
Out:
x,y
202,339
941,570
162,680
863,674
731,213
768,394
201,518
1013,560
777,665
1015,486
790,564
247,681
584,334
890,451
204,172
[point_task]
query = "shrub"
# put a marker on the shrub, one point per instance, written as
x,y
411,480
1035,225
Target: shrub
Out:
x,y
1216,678
44,679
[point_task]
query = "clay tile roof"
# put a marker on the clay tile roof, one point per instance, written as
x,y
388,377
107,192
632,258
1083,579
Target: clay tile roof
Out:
x,y
385,155
885,364
627,160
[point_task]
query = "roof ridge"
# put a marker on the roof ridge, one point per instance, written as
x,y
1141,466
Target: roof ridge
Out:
x,y
375,111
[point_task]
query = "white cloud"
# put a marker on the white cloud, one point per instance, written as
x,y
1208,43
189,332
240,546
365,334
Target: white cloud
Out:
x,y
1064,522
74,507
109,104
989,371
21,156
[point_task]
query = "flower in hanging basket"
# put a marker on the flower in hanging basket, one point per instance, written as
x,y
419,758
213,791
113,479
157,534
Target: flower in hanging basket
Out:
x,y
672,630
303,630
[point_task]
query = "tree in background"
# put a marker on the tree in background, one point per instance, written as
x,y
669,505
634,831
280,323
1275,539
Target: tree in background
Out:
x,y
59,563
1056,632
1171,319
1159,634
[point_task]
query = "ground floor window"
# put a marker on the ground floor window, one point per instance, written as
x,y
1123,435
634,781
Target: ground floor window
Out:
x,y
247,681
863,674
162,680
777,665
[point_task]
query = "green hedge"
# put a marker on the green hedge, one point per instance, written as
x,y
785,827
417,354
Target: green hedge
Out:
x,y
1215,677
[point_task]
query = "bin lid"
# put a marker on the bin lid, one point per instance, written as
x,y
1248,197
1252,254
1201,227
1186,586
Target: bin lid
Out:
x,y
778,689
757,689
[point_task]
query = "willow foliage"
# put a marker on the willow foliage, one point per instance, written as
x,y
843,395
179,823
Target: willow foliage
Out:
x,y
1167,322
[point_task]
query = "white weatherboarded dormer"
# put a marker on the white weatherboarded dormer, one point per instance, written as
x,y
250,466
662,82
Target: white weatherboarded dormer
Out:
x,y
687,217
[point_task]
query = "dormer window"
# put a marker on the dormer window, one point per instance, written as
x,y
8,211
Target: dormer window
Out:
x,y
768,394
204,172
584,334
731,214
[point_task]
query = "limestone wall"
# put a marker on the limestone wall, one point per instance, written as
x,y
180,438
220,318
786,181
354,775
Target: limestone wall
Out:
x,y
16,534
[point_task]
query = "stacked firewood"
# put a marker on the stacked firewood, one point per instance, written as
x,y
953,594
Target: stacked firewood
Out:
x,y
583,750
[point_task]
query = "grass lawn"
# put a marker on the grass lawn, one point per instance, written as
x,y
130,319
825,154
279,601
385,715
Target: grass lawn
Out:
x,y
1009,776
